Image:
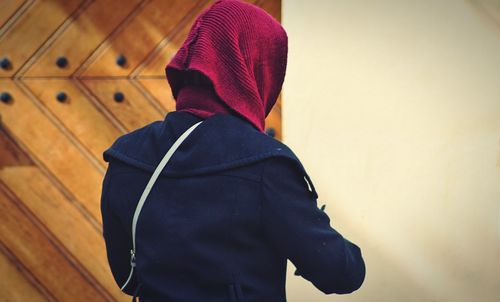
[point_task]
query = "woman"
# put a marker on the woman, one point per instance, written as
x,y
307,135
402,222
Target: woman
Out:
x,y
231,204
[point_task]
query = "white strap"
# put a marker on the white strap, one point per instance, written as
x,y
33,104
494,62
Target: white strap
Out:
x,y
146,191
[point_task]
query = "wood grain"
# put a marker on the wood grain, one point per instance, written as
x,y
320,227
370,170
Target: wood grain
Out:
x,y
41,257
134,111
44,140
160,90
15,286
87,124
139,37
32,29
64,221
10,153
82,37
8,8
166,50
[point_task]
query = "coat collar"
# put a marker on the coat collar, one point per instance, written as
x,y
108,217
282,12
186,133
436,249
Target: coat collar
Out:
x,y
221,142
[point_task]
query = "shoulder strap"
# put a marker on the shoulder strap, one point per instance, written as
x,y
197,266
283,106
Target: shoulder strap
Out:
x,y
146,191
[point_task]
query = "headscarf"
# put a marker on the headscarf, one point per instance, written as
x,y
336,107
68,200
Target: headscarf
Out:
x,y
242,51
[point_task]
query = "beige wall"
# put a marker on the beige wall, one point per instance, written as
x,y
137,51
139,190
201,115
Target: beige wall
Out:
x,y
394,109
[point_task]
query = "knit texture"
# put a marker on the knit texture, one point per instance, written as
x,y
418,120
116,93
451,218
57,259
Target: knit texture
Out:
x,y
242,50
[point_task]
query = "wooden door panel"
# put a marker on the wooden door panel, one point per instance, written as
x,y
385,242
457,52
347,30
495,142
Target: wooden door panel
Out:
x,y
82,37
16,287
134,111
31,30
52,148
41,257
64,221
77,113
8,8
273,120
156,66
10,153
161,91
139,37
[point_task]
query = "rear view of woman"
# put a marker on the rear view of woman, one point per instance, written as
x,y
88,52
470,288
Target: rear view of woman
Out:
x,y
203,206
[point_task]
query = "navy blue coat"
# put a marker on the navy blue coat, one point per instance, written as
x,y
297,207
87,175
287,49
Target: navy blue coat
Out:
x,y
226,213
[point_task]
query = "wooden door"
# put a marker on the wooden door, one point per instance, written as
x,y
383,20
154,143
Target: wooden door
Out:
x,y
75,75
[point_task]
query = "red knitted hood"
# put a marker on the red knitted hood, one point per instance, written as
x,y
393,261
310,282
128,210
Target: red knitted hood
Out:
x,y
242,50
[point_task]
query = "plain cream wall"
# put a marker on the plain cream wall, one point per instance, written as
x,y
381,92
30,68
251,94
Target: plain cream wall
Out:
x,y
394,109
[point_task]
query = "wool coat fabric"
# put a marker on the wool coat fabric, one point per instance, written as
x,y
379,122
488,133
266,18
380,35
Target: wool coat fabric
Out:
x,y
225,214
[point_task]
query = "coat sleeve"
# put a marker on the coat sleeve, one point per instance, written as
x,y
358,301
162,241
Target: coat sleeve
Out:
x,y
118,239
301,232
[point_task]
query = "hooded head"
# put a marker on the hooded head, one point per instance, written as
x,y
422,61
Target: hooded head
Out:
x,y
239,52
